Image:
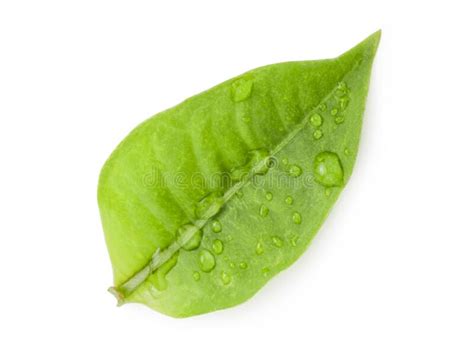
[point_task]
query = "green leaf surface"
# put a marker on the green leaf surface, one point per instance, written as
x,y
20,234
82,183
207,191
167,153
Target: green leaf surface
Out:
x,y
204,203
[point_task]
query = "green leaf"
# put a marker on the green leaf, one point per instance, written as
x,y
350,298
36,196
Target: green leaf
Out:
x,y
203,203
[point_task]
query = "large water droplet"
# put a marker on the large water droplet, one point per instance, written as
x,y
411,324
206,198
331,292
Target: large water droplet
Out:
x,y
216,226
189,237
226,278
259,248
316,120
296,217
277,241
207,262
295,171
242,89
328,169
209,205
217,246
263,211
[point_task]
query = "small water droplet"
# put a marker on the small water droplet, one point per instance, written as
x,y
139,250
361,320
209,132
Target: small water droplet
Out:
x,y
296,217
232,264
316,120
322,107
289,200
346,151
294,240
243,265
318,134
339,119
343,103
295,171
277,241
209,205
242,89
207,262
334,111
196,276
328,169
269,196
284,161
216,226
264,211
226,278
217,246
259,248
189,237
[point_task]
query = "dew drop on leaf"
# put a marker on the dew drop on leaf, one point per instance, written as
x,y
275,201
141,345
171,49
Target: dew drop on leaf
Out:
x,y
196,276
189,237
328,169
207,262
295,171
316,120
226,278
318,134
216,226
296,217
259,248
277,241
264,211
269,196
289,200
243,265
217,246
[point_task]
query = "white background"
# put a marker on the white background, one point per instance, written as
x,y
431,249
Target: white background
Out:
x,y
391,271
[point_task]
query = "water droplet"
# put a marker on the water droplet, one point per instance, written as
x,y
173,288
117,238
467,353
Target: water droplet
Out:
x,y
269,196
289,200
242,89
216,226
243,265
189,237
196,276
209,206
284,161
263,211
339,119
343,103
294,240
163,270
226,278
322,107
316,120
334,111
277,241
295,171
346,151
318,134
328,169
259,248
296,217
265,271
217,246
207,262
232,264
